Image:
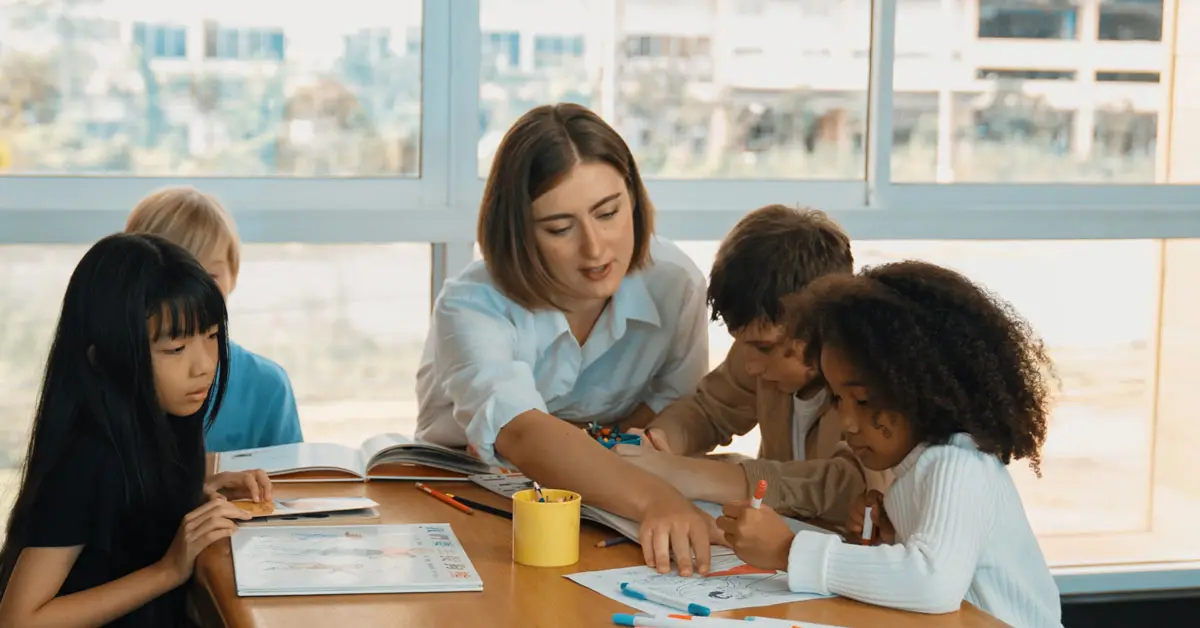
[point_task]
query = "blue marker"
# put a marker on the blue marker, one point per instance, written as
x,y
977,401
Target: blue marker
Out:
x,y
666,600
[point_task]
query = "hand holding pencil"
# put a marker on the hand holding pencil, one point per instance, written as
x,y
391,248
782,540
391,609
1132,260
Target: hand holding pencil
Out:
x,y
868,523
757,534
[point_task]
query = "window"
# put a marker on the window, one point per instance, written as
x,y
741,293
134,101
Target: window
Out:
x,y
347,322
1037,121
767,117
553,51
1131,20
1111,432
158,41
1027,19
305,117
1128,77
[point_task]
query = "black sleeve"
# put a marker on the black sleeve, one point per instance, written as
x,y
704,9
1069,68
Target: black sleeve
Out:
x,y
80,501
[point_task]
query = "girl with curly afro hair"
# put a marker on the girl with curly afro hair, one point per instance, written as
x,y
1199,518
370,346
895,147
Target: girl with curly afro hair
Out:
x,y
943,384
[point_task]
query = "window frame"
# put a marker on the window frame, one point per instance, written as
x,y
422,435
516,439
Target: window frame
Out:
x,y
440,205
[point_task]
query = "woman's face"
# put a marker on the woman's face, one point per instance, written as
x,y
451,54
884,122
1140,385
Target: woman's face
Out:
x,y
584,230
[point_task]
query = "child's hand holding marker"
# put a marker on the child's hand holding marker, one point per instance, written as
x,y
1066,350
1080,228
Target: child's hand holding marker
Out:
x,y
868,523
757,534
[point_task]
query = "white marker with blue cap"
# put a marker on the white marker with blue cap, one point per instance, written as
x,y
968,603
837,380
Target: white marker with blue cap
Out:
x,y
634,591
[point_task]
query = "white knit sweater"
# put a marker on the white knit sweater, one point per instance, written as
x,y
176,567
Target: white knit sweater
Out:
x,y
961,533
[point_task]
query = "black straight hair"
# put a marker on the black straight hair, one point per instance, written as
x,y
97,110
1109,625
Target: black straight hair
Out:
x,y
99,379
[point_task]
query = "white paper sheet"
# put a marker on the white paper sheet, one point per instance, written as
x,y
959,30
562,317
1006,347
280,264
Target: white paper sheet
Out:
x,y
720,591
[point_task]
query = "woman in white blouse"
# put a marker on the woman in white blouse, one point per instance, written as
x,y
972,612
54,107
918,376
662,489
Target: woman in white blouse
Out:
x,y
576,313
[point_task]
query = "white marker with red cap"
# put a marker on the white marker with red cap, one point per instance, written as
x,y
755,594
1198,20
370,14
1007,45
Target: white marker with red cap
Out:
x,y
760,491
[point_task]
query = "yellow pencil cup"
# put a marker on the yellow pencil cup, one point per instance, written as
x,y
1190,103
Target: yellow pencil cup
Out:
x,y
546,534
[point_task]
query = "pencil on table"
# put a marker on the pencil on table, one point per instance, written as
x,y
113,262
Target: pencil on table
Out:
x,y
445,498
617,540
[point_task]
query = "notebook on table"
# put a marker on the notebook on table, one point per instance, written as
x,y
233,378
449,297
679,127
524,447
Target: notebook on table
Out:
x,y
345,560
381,457
506,485
310,511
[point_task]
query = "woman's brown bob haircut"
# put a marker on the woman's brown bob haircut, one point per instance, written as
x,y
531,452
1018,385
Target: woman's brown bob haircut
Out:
x,y
535,155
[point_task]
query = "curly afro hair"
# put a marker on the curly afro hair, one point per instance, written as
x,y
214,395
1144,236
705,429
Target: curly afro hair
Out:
x,y
931,345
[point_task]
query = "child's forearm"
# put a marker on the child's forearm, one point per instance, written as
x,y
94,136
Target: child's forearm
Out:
x,y
103,604
709,480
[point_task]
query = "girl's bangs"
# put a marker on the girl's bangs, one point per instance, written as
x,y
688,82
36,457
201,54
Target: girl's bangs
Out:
x,y
192,308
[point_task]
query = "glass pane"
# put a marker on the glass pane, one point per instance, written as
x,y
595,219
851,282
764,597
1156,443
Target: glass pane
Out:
x,y
1100,440
223,89
1029,92
766,90
1131,20
347,323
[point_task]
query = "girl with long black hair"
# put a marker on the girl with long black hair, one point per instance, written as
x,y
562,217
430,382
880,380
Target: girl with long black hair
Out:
x,y
113,507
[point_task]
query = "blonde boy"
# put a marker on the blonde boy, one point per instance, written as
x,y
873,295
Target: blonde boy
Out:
x,y
259,407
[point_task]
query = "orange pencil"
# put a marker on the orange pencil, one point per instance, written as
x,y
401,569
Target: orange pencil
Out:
x,y
445,498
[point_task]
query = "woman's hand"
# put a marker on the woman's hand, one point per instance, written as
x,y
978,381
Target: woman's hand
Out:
x,y
882,530
253,485
200,528
676,526
759,536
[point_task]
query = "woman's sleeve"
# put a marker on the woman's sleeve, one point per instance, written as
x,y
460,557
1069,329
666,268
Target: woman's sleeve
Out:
x,y
687,355
477,367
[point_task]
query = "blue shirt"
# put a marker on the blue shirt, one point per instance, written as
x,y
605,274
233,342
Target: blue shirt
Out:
x,y
487,359
259,408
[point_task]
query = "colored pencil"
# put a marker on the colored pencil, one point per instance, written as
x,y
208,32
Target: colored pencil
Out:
x,y
444,497
499,512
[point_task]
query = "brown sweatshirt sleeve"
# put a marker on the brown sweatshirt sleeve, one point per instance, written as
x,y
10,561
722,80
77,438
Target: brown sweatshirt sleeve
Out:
x,y
821,488
723,406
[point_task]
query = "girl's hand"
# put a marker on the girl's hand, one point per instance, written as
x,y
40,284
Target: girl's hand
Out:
x,y
759,536
253,485
199,529
882,530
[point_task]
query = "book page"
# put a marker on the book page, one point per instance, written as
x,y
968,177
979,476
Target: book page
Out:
x,y
334,560
293,457
398,448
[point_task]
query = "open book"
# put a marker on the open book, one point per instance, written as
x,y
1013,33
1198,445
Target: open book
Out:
x,y
337,560
508,485
382,457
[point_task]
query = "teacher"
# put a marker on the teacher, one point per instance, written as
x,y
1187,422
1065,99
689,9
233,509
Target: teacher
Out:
x,y
576,313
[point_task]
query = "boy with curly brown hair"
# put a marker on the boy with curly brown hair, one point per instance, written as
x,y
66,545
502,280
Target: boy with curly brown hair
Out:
x,y
772,252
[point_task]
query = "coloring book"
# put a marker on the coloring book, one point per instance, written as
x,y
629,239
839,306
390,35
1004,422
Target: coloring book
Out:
x,y
731,585
339,560
510,484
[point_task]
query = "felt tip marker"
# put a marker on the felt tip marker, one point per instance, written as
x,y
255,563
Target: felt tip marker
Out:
x,y
639,593
760,492
868,528
624,619
722,622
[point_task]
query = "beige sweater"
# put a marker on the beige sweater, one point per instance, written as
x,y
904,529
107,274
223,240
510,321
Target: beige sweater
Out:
x,y
731,402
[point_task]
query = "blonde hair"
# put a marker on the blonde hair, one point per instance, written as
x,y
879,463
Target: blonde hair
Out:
x,y
190,218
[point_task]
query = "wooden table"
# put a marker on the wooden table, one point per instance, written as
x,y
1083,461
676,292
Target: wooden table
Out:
x,y
513,595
